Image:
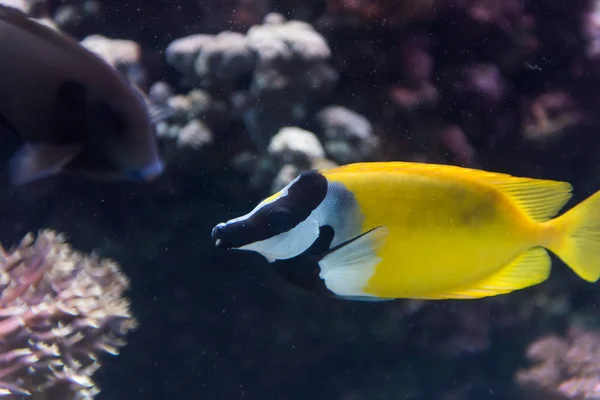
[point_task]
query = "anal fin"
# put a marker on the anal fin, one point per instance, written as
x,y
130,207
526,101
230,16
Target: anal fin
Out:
x,y
347,268
530,268
36,161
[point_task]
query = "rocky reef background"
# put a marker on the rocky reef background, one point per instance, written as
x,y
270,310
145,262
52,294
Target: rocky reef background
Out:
x,y
264,89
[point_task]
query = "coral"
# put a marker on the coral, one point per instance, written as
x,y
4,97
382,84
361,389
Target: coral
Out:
x,y
591,29
278,41
455,140
23,5
549,116
295,150
292,141
208,60
124,55
59,311
195,135
348,136
68,16
286,63
37,9
290,152
292,75
189,133
259,97
415,88
564,368
223,58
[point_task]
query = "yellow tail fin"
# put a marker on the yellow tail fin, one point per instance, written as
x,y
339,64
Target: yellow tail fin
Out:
x,y
578,243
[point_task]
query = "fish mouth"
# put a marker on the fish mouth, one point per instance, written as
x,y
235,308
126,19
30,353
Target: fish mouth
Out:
x,y
217,233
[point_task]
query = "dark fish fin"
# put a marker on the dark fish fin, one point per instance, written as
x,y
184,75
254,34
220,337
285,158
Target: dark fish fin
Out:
x,y
303,271
39,30
306,270
159,112
13,11
36,161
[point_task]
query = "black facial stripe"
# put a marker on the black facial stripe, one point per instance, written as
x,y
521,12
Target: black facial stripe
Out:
x,y
303,271
279,216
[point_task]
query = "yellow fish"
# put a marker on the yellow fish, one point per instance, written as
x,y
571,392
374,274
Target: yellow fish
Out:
x,y
388,230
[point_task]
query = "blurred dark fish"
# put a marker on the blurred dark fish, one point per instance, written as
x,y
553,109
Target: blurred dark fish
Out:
x,y
74,112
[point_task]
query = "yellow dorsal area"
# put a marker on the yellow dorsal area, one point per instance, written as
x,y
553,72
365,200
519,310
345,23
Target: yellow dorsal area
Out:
x,y
270,199
453,232
539,199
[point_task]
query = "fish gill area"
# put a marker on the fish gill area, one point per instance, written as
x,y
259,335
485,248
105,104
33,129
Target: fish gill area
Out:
x,y
264,89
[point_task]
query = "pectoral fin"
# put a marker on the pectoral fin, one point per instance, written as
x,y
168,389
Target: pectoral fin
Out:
x,y
36,161
347,268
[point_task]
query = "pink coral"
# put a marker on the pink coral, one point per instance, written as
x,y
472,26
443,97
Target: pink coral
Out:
x,y
59,310
549,116
383,12
565,368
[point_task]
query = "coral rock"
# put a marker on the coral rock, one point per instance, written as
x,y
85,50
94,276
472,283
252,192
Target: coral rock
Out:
x,y
194,135
348,136
564,369
22,5
296,141
225,58
59,310
285,62
160,92
124,55
287,41
549,116
183,52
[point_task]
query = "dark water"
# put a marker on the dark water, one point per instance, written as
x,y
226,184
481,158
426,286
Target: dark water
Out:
x,y
509,86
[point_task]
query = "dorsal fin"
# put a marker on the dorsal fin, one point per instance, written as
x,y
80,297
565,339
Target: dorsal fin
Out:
x,y
24,21
539,199
51,36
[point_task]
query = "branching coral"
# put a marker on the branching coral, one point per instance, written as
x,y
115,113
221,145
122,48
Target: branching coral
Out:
x,y
566,368
59,310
